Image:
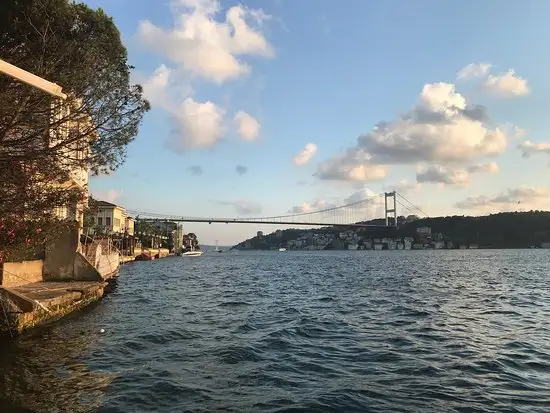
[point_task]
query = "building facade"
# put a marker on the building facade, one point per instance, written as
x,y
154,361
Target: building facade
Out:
x,y
112,218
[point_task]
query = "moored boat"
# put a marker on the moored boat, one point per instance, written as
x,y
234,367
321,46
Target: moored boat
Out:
x,y
195,253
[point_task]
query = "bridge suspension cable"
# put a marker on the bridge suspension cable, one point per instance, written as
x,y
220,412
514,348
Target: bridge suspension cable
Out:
x,y
355,214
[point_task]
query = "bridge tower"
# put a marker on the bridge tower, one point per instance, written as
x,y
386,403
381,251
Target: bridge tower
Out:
x,y
390,210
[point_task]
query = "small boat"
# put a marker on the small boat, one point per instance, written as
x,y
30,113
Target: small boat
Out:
x,y
196,253
282,249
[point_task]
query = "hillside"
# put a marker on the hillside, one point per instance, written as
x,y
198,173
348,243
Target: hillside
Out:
x,y
503,230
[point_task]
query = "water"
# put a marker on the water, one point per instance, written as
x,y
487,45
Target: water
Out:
x,y
357,331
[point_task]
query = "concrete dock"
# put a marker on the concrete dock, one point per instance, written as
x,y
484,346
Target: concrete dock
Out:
x,y
42,302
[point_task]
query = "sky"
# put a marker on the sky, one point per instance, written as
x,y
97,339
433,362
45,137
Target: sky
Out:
x,y
265,107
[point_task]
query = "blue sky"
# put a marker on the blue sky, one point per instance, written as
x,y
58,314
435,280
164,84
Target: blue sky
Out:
x,y
250,84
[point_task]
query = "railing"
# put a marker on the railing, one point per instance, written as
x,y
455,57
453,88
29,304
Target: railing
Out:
x,y
107,248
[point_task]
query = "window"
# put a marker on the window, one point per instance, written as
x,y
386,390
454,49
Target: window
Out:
x,y
108,221
116,222
92,219
99,221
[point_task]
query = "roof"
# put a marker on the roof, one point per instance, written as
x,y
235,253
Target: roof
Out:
x,y
107,204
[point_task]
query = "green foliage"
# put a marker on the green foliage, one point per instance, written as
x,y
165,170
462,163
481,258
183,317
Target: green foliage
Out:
x,y
43,139
22,240
80,49
504,230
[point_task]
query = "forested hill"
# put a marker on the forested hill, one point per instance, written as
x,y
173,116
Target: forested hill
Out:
x,y
503,230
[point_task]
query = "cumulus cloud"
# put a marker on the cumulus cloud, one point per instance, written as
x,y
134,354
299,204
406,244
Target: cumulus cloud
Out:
x,y
511,199
452,175
403,186
440,128
354,165
305,155
195,170
473,70
247,126
241,170
202,44
529,148
506,85
154,88
197,125
442,174
490,167
206,47
243,207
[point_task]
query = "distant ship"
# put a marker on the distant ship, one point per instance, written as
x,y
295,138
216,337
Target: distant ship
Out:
x,y
282,249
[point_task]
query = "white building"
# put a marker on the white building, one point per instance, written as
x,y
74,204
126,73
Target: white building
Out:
x,y
113,219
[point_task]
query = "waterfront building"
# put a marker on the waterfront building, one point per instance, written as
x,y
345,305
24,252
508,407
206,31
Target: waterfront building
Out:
x,y
111,218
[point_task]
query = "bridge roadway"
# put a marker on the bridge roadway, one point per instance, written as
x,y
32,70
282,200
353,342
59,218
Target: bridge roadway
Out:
x,y
263,222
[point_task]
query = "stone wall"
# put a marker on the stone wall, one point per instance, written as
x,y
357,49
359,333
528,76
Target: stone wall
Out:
x,y
65,262
59,261
84,270
20,273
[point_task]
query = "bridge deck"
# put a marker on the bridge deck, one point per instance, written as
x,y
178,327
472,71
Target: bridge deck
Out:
x,y
261,222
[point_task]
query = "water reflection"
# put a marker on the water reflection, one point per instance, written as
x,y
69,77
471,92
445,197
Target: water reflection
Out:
x,y
45,372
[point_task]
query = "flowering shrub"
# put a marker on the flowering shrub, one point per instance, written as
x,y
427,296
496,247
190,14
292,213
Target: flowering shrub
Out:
x,y
24,240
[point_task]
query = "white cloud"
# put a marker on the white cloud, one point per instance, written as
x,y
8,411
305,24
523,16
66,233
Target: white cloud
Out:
x,y
529,148
154,88
305,155
452,175
111,195
490,167
353,165
440,128
506,85
206,47
442,174
359,196
248,127
513,199
403,186
198,125
473,70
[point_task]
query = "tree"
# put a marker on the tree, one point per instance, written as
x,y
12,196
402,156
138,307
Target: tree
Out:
x,y
43,139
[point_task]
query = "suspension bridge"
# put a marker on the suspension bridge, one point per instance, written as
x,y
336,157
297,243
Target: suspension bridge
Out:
x,y
381,208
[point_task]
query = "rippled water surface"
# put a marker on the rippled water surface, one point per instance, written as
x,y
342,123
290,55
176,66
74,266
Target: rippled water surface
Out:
x,y
349,331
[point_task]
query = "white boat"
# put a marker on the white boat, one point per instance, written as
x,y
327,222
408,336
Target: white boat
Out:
x,y
282,249
196,253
